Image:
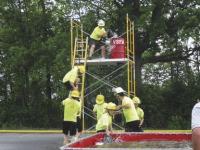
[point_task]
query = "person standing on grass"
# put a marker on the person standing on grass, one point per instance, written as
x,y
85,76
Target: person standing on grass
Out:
x,y
72,109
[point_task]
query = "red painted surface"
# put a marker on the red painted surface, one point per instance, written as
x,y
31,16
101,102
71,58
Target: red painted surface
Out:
x,y
88,142
118,48
128,137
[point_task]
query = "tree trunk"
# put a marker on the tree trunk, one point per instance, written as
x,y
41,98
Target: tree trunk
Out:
x,y
138,74
48,82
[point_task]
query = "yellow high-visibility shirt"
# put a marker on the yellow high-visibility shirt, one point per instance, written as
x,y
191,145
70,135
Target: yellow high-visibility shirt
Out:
x,y
140,113
71,75
71,109
130,113
104,122
98,33
99,109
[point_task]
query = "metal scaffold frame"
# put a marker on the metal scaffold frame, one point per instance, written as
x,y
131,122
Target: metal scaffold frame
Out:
x,y
130,55
79,57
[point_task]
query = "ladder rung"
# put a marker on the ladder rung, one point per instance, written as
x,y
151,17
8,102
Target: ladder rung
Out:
x,y
81,42
79,50
79,60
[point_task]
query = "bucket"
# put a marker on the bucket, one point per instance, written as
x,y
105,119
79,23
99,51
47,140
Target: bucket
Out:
x,y
117,48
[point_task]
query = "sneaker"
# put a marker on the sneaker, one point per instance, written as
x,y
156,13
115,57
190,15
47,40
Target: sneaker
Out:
x,y
62,147
74,139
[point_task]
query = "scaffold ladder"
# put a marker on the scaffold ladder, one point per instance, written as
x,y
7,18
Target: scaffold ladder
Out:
x,y
131,56
79,57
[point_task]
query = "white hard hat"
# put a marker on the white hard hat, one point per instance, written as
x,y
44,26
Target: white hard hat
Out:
x,y
118,90
101,23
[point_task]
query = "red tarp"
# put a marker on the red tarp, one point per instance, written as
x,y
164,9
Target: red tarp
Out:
x,y
128,137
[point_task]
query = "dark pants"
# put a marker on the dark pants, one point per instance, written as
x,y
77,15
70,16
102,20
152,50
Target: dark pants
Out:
x,y
132,126
69,127
97,44
79,124
68,86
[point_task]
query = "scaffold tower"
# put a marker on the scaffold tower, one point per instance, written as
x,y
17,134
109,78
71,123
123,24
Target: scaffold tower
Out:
x,y
116,69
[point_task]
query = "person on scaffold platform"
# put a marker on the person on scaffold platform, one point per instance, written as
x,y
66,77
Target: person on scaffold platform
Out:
x,y
96,40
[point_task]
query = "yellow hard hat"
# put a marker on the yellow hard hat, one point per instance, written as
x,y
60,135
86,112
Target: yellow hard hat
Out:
x,y
100,99
75,93
136,100
82,69
111,106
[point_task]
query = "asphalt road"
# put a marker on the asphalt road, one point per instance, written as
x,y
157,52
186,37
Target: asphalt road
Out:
x,y
11,141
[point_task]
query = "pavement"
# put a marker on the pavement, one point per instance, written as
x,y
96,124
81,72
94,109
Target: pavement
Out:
x,y
30,141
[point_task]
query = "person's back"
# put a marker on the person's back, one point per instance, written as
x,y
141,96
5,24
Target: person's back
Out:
x,y
98,33
71,109
195,124
130,113
71,78
99,107
96,38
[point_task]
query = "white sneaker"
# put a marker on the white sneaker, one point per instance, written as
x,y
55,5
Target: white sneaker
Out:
x,y
62,147
74,139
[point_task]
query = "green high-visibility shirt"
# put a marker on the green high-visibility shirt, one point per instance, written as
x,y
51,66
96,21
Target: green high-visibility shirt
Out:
x,y
71,75
140,113
130,113
99,109
104,122
71,109
98,33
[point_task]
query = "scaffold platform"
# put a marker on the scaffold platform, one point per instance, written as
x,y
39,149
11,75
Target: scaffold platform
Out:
x,y
106,61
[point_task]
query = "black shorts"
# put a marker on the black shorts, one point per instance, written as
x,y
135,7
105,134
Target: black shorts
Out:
x,y
69,127
132,126
79,124
68,86
98,44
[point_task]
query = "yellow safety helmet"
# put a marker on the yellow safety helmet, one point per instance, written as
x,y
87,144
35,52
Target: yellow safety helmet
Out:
x,y
75,93
82,69
136,100
100,99
111,106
